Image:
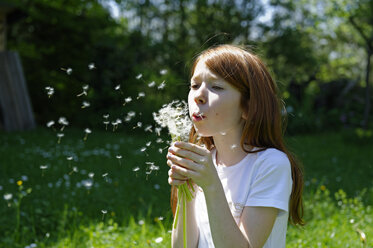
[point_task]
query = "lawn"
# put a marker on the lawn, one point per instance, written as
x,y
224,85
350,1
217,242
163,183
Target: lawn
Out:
x,y
111,190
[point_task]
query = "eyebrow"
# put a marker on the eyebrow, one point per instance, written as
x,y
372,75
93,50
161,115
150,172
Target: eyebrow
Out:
x,y
210,76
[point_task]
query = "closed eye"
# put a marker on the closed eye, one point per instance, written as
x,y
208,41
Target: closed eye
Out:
x,y
217,87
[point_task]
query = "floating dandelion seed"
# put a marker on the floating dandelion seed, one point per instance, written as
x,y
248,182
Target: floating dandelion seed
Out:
x,y
163,71
106,123
85,104
148,143
105,175
158,130
157,187
139,76
60,135
91,66
148,129
143,149
141,222
63,122
117,87
162,85
103,211
91,174
127,100
50,123
106,116
151,84
136,169
50,91
87,131
68,70
75,169
160,150
222,133
159,140
43,167
8,196
132,113
139,124
69,159
119,157
141,94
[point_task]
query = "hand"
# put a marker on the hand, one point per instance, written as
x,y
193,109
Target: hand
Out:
x,y
189,160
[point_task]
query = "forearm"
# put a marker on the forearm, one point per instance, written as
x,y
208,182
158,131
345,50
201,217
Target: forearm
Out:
x,y
192,228
224,230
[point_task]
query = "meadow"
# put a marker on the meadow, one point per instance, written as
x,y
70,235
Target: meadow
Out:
x,y
111,190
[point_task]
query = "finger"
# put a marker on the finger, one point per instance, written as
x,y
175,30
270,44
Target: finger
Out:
x,y
183,171
175,182
183,162
192,147
175,175
187,154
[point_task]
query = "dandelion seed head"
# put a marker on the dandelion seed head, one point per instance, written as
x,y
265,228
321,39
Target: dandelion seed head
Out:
x,y
174,116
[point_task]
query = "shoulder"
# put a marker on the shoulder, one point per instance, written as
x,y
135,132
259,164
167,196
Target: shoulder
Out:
x,y
273,159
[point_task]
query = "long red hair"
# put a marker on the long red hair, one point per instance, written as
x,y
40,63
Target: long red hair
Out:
x,y
266,115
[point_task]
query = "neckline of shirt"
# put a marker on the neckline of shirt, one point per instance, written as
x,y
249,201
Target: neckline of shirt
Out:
x,y
221,168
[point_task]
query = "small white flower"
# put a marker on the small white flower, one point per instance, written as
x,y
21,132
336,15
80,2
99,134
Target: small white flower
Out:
x,y
91,66
151,84
8,196
158,240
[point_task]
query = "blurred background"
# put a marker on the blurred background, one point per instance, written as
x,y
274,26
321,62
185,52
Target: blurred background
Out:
x,y
82,163
318,51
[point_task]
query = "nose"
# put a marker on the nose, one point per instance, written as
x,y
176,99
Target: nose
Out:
x,y
200,96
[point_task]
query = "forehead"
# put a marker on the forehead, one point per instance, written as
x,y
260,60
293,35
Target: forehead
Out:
x,y
202,71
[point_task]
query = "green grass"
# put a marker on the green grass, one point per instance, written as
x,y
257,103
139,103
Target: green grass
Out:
x,y
53,208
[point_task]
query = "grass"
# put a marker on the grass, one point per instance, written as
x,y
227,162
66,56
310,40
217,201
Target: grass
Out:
x,y
56,207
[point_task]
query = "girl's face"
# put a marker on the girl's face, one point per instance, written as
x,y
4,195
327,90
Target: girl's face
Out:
x,y
214,104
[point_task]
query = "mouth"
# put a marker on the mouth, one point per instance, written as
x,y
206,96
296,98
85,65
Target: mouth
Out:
x,y
198,117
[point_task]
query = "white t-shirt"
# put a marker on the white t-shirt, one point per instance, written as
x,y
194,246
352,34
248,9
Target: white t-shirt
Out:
x,y
260,179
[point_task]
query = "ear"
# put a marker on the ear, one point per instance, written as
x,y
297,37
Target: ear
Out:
x,y
244,115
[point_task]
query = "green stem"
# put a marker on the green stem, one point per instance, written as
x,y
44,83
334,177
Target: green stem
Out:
x,y
184,222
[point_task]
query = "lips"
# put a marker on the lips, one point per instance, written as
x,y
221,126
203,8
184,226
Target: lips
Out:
x,y
198,116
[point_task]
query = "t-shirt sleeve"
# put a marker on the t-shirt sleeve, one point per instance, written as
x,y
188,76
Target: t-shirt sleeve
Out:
x,y
272,184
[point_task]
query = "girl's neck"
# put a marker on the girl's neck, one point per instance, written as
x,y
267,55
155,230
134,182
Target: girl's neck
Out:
x,y
228,148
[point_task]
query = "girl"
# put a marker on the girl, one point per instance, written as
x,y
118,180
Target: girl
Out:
x,y
247,184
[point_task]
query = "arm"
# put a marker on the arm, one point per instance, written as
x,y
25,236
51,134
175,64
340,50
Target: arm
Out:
x,y
256,222
192,228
